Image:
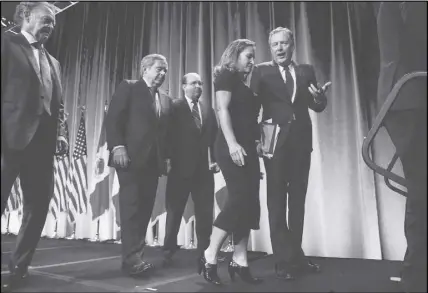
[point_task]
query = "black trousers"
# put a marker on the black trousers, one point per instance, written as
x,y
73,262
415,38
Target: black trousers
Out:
x,y
34,165
137,195
201,187
287,175
408,132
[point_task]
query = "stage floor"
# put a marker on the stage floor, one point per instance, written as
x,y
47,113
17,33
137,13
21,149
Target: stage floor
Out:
x,y
61,265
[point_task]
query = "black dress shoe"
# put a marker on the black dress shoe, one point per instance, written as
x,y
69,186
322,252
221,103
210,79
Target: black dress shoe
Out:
x,y
167,257
209,271
138,270
243,272
14,280
168,253
286,274
310,267
18,272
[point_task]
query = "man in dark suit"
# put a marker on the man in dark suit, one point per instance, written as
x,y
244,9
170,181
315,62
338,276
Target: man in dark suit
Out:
x,y
287,91
193,130
402,32
136,125
32,124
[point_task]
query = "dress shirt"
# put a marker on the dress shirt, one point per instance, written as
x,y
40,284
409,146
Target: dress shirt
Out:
x,y
32,40
293,75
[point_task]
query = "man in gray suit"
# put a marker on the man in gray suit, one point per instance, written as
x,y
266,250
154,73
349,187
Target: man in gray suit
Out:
x,y
136,125
32,124
287,91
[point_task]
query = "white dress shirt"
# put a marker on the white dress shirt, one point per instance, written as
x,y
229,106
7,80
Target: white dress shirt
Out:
x,y
158,104
293,75
190,103
32,40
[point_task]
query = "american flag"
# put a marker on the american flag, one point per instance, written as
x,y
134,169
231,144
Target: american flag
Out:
x,y
15,201
61,165
77,183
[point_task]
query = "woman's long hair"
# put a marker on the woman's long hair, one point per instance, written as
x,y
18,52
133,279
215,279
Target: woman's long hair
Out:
x,y
230,56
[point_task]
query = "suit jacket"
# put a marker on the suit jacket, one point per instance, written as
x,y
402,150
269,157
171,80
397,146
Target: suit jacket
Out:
x,y
22,92
402,33
188,145
267,82
131,121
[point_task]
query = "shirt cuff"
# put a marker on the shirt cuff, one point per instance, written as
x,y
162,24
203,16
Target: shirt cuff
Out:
x,y
62,138
116,147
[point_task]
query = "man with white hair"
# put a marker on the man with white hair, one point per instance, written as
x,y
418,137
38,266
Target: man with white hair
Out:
x,y
32,124
136,126
287,91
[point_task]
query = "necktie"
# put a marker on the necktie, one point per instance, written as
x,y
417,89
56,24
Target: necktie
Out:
x,y
289,82
155,101
195,114
45,74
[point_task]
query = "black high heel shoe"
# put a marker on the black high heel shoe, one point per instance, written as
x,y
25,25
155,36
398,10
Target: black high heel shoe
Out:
x,y
209,271
243,272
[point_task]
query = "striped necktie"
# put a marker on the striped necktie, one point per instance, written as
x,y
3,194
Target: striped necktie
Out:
x,y
45,74
195,114
156,103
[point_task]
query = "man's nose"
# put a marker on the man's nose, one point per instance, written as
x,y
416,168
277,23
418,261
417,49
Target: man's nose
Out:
x,y
281,48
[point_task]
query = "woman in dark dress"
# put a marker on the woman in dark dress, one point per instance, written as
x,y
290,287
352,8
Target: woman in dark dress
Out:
x,y
236,153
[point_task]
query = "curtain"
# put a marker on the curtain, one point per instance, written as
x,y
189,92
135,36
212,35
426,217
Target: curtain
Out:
x,y
349,211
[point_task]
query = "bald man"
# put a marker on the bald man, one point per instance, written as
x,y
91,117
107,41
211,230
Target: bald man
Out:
x,y
192,133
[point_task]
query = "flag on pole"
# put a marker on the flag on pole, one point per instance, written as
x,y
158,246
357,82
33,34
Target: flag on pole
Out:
x,y
61,165
159,205
189,210
77,183
100,190
54,208
15,201
115,202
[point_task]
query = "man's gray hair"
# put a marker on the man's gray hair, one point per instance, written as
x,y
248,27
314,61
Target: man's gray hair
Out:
x,y
149,60
24,9
281,29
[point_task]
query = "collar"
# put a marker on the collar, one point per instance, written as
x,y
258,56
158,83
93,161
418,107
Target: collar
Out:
x,y
147,83
29,37
149,86
190,101
290,66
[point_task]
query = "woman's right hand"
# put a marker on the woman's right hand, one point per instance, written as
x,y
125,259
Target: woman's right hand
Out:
x,y
237,153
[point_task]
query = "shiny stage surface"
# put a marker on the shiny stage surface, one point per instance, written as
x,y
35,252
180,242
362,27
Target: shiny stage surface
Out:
x,y
61,265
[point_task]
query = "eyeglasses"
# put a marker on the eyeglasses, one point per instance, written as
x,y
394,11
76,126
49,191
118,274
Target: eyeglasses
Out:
x,y
196,83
